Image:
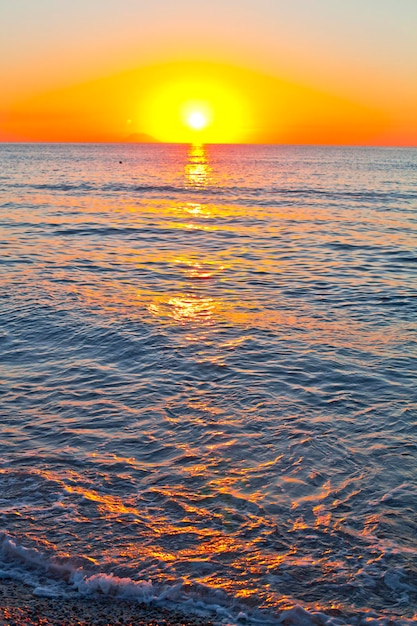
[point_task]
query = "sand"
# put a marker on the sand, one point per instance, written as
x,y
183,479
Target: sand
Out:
x,y
19,607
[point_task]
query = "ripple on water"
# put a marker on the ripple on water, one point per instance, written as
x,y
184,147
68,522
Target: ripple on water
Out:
x,y
208,377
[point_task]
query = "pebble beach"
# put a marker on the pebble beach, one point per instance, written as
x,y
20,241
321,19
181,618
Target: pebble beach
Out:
x,y
19,607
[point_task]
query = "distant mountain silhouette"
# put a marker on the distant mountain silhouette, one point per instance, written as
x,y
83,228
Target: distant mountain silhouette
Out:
x,y
141,138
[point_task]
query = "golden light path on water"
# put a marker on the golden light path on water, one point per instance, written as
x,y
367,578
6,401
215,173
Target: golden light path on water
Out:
x,y
191,303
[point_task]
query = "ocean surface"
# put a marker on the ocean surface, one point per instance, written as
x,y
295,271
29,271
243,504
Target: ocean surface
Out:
x,y
208,378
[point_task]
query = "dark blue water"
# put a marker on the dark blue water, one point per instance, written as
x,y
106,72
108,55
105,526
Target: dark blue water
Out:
x,y
208,378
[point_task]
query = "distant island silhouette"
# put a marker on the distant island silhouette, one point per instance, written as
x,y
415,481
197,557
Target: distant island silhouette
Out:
x,y
141,138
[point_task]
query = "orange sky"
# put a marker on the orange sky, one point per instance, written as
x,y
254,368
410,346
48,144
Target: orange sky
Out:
x,y
319,72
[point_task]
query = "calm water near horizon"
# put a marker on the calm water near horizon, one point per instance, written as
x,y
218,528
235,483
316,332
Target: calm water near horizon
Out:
x,y
208,378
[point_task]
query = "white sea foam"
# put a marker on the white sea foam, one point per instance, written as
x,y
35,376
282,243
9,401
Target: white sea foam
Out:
x,y
110,585
54,577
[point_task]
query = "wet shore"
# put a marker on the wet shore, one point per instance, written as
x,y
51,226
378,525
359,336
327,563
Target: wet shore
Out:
x,y
19,607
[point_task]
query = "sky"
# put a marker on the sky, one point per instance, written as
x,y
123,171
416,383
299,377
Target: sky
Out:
x,y
262,71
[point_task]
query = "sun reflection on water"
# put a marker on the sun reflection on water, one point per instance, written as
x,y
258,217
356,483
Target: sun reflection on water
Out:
x,y
193,304
197,169
185,308
177,262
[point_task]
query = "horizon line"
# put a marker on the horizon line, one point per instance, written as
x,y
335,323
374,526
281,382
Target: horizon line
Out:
x,y
202,143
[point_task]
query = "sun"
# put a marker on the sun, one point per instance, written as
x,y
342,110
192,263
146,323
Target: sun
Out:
x,y
196,116
194,103
197,120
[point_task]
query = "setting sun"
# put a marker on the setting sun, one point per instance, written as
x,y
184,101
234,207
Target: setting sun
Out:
x,y
188,104
196,115
197,120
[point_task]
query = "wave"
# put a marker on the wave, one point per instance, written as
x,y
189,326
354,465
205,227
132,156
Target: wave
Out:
x,y
65,576
57,576
257,192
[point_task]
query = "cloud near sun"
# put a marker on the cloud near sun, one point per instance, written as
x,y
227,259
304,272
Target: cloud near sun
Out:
x,y
192,103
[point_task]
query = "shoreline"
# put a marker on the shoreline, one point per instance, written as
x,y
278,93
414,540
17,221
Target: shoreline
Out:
x,y
19,607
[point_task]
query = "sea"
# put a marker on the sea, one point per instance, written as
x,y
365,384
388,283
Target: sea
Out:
x,y
208,378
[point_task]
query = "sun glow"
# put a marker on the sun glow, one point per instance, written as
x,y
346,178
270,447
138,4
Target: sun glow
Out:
x,y
192,108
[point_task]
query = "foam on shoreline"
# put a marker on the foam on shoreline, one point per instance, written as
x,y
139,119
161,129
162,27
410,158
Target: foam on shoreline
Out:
x,y
20,607
42,591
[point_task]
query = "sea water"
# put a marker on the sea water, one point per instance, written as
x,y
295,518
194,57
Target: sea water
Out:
x,y
208,378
